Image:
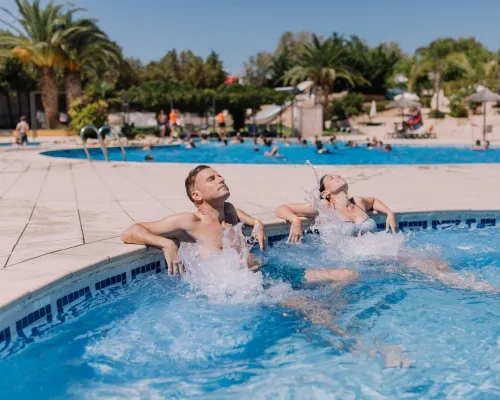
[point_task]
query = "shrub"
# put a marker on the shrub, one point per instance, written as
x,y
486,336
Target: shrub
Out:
x,y
426,102
458,110
92,113
350,106
436,114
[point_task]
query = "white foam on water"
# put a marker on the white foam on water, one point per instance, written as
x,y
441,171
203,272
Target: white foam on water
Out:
x,y
225,277
375,247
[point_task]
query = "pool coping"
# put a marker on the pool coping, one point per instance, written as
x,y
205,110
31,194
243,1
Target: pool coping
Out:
x,y
34,290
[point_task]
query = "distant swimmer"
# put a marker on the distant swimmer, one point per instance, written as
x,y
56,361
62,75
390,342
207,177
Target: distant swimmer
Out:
x,y
272,153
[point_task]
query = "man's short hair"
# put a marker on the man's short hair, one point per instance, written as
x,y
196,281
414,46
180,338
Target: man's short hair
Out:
x,y
191,179
23,118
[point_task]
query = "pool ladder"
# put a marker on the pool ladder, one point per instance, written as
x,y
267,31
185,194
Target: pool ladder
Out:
x,y
103,130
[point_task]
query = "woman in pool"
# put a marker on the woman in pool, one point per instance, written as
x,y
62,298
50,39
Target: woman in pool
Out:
x,y
353,214
352,211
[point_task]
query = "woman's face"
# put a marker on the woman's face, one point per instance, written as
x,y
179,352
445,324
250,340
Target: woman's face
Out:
x,y
334,184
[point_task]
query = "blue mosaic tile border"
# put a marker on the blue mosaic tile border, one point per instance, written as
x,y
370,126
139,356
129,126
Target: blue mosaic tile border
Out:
x,y
154,266
435,224
113,280
410,225
276,238
71,297
487,222
5,335
26,321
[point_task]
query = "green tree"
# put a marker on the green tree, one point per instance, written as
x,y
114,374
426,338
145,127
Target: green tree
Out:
x,y
292,44
258,69
281,63
14,78
214,74
435,57
89,49
375,64
37,40
322,62
192,69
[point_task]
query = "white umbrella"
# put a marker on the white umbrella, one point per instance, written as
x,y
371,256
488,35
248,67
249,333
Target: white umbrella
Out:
x,y
483,96
407,96
373,109
403,103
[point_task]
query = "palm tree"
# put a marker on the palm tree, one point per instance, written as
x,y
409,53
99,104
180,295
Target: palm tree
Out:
x,y
85,46
492,72
322,62
434,58
37,40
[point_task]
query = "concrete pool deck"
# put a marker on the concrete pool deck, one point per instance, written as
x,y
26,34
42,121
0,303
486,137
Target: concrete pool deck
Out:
x,y
58,216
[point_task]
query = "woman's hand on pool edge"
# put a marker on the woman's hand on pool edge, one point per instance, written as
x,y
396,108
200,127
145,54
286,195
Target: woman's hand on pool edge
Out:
x,y
295,231
171,252
390,223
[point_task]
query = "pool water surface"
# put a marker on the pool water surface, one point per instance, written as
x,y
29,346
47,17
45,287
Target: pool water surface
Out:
x,y
294,154
406,334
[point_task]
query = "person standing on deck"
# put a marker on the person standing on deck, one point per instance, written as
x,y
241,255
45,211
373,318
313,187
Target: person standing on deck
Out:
x,y
222,124
22,129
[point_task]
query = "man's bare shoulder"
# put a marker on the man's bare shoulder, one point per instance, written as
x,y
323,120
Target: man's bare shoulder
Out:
x,y
187,219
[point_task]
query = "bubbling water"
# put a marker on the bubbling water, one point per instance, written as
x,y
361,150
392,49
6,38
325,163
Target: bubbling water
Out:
x,y
224,277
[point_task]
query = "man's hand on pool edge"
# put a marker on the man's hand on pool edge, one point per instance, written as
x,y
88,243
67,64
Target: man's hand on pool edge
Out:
x,y
259,234
171,252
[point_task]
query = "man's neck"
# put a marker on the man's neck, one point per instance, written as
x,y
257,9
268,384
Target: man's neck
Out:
x,y
213,211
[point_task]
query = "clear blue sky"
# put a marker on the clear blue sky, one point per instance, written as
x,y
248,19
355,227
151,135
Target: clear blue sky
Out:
x,y
236,29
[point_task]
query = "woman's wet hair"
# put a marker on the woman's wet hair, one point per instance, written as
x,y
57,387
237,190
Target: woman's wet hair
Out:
x,y
322,187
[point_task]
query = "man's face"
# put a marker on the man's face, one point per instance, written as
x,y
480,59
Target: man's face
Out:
x,y
209,185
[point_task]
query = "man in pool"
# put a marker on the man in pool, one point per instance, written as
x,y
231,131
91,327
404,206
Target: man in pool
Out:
x,y
209,193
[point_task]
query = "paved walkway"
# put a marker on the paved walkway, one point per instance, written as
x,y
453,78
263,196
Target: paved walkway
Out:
x,y
48,205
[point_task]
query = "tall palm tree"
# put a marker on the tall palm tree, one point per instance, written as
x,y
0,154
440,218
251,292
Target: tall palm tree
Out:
x,y
322,62
434,58
37,40
85,46
492,72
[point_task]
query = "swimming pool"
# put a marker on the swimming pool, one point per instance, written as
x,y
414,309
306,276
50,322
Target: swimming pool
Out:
x,y
295,154
160,337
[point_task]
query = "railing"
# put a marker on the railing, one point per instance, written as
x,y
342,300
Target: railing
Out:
x,y
90,129
106,129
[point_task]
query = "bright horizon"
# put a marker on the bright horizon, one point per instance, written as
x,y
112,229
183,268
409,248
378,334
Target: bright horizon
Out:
x,y
236,30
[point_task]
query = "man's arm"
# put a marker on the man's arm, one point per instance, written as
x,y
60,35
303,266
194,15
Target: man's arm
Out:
x,y
154,233
164,234
258,232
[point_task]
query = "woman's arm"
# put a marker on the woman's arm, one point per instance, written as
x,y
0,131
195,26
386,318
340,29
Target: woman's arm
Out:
x,y
373,204
292,213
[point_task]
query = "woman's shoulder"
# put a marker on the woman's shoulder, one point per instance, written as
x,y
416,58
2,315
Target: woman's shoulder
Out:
x,y
358,200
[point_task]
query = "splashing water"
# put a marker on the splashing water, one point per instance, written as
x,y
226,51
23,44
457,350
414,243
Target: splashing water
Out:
x,y
224,277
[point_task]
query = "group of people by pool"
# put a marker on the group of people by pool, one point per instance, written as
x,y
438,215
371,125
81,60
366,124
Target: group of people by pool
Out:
x,y
214,215
172,124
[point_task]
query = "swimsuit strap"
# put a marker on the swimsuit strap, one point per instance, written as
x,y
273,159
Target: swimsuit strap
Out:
x,y
351,200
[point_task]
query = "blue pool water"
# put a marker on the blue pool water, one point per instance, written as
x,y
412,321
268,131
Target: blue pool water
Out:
x,y
295,154
408,333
